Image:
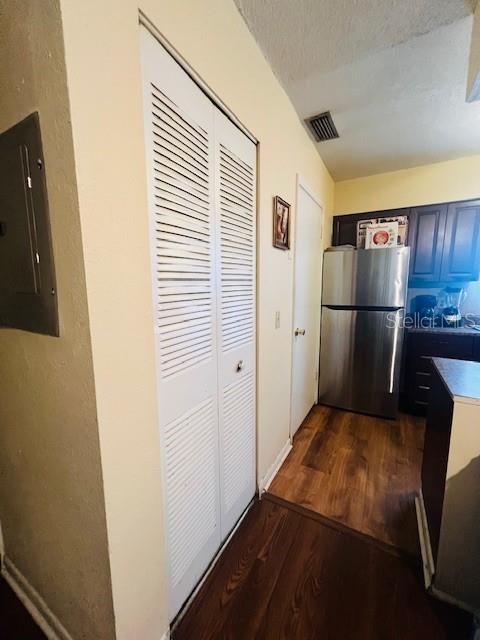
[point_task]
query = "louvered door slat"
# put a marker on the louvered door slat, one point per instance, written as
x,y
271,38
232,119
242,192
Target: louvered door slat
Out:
x,y
169,137
165,195
233,177
180,209
166,110
241,173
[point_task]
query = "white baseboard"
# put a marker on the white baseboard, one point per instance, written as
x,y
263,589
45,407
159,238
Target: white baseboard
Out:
x,y
2,546
34,603
274,468
424,536
446,597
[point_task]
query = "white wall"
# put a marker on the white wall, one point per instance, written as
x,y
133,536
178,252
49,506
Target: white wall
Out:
x,y
103,66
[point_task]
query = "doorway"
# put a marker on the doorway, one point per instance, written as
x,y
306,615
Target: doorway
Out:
x,y
306,305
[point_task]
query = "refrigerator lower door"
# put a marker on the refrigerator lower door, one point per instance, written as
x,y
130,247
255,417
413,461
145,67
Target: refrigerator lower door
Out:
x,y
360,356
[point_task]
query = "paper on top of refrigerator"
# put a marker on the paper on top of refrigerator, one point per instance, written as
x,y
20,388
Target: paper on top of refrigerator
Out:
x,y
363,225
380,236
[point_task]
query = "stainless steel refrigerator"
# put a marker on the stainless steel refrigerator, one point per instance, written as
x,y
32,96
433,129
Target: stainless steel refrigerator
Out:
x,y
363,302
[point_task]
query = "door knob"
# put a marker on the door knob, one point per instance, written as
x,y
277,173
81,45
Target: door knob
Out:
x,y
299,332
240,365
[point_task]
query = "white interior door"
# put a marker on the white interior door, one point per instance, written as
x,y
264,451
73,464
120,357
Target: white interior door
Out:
x,y
179,129
235,195
202,204
307,300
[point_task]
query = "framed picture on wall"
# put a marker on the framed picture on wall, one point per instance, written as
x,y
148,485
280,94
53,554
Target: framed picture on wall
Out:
x,y
281,223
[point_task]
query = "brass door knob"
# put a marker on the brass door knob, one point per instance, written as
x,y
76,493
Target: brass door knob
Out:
x,y
240,365
299,332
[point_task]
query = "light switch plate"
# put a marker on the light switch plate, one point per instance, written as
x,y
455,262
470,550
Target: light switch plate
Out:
x,y
277,319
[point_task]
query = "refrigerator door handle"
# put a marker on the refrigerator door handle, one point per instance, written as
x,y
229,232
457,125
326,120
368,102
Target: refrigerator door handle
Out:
x,y
349,339
341,307
394,358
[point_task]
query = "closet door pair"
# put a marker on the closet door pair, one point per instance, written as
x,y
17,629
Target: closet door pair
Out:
x,y
201,189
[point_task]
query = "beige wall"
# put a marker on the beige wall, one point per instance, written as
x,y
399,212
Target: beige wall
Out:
x,y
428,184
103,65
51,498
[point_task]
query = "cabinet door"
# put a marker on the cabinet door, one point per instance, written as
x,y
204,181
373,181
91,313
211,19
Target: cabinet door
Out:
x,y
427,233
344,230
421,348
461,251
476,349
435,456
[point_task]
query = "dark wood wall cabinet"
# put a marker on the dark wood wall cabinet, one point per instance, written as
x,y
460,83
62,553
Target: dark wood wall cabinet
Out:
x,y
426,239
444,240
461,247
345,227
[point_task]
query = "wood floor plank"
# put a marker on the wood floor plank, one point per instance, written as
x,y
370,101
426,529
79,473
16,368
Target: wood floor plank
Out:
x,y
254,596
231,571
360,470
292,611
302,580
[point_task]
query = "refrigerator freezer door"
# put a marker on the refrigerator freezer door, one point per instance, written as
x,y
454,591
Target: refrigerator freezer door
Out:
x,y
366,277
360,356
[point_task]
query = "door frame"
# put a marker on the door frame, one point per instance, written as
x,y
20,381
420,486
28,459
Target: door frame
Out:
x,y
301,183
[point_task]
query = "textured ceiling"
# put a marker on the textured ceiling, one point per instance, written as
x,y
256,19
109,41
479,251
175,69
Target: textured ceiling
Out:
x,y
393,74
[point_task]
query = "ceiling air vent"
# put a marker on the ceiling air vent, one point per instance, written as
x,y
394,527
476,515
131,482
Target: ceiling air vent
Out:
x,y
322,127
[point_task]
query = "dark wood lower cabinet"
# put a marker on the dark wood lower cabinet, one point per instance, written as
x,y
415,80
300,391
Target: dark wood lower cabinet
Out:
x,y
476,348
435,455
449,513
421,347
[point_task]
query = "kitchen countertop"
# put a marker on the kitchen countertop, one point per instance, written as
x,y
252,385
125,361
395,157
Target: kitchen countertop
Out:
x,y
461,377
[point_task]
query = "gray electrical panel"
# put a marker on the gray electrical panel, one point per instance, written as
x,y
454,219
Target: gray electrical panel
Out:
x,y
28,296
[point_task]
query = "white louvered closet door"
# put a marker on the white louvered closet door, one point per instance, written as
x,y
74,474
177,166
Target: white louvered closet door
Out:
x,y
235,203
179,129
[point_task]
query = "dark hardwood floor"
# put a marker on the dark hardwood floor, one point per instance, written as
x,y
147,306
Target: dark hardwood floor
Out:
x,y
285,575
15,621
360,471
